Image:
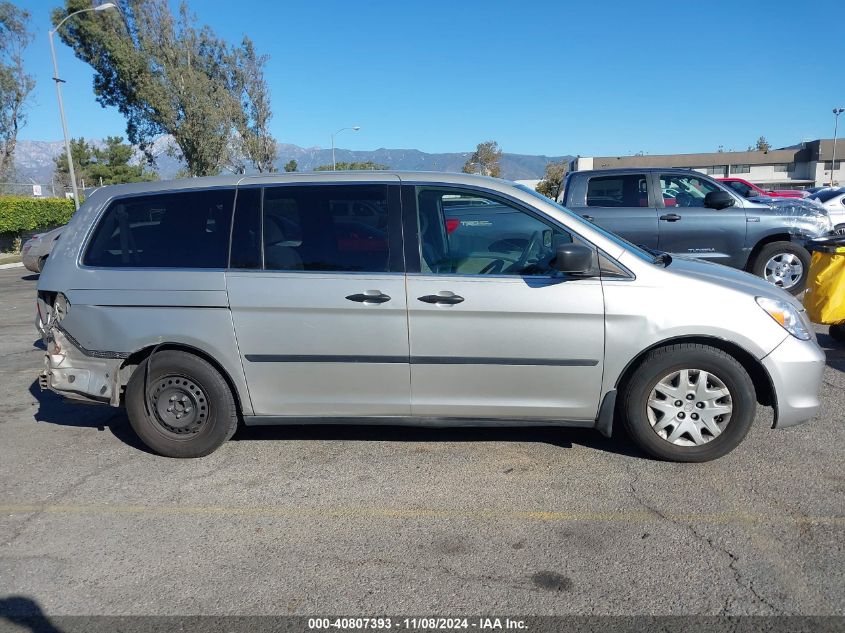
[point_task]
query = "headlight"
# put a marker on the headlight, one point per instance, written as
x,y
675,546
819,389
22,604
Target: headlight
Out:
x,y
786,316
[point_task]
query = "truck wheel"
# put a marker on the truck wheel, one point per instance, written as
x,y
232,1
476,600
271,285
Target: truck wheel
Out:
x,y
784,264
179,405
688,403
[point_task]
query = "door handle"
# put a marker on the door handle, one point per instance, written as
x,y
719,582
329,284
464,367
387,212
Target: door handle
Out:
x,y
442,299
370,297
670,217
588,218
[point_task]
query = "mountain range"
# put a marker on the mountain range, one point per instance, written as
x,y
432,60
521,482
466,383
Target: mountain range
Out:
x,y
34,160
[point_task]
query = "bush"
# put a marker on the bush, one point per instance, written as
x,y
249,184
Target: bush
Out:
x,y
18,213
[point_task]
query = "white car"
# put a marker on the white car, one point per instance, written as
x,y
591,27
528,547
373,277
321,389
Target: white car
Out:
x,y
834,201
37,248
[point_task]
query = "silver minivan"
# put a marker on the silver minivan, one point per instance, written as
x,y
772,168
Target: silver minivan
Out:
x,y
406,298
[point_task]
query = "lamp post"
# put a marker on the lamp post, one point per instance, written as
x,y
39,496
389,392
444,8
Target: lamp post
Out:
x,y
354,128
59,82
836,113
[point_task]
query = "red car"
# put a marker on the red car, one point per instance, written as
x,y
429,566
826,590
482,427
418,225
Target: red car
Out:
x,y
750,190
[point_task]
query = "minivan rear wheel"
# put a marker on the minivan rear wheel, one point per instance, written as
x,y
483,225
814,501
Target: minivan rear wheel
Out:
x,y
689,403
180,405
783,264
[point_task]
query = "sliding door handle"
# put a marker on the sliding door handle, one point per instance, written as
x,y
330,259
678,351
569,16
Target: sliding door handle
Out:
x,y
441,299
369,297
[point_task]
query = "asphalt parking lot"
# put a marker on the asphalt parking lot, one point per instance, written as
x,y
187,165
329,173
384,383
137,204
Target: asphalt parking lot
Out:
x,y
373,521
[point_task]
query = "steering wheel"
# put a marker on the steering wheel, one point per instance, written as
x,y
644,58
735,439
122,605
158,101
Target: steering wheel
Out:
x,y
683,199
496,266
519,264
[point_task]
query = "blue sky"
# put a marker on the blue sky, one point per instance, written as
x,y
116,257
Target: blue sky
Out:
x,y
541,77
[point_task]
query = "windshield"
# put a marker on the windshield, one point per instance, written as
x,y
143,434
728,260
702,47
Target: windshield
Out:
x,y
622,242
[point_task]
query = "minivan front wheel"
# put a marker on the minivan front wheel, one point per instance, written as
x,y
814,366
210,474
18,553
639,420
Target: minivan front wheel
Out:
x,y
180,405
689,403
783,264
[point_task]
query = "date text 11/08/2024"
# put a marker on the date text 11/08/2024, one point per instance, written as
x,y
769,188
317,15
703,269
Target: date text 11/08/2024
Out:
x,y
423,623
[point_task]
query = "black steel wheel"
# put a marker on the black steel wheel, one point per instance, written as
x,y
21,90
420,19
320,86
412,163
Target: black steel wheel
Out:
x,y
180,405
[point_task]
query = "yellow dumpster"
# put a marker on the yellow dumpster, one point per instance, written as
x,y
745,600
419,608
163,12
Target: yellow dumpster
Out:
x,y
825,296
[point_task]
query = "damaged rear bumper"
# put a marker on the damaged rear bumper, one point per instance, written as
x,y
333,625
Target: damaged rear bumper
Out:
x,y
78,373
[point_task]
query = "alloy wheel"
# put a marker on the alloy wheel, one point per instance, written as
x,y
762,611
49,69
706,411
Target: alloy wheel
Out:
x,y
784,270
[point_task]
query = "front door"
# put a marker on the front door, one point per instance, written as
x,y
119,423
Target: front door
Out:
x,y
494,333
688,228
318,299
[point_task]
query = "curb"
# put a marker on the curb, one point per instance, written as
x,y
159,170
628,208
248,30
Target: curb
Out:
x,y
15,265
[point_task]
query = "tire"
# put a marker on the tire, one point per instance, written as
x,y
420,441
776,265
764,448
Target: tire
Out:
x,y
839,229
643,422
202,414
837,332
777,254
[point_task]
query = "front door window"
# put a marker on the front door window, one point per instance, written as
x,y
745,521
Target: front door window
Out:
x,y
686,191
468,234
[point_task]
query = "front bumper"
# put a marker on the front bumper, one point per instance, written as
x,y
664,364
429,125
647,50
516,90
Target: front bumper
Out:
x,y
796,369
29,259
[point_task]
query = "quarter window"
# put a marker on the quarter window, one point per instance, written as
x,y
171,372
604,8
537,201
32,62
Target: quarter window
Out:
x,y
470,234
186,229
326,228
618,191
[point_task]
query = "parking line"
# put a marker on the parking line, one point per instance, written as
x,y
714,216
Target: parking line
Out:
x,y
415,513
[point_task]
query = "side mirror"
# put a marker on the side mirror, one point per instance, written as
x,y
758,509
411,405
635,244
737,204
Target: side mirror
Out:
x,y
573,259
719,200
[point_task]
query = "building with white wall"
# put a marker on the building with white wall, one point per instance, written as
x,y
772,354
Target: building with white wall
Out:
x,y
804,165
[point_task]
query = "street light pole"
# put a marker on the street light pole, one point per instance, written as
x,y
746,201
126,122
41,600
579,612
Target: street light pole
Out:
x,y
836,113
59,82
354,128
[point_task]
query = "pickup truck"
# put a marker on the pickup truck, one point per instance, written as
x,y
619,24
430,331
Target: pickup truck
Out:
x,y
750,190
685,213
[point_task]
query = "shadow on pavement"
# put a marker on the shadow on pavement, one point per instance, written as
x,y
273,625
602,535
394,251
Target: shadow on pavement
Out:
x,y
556,436
31,277
53,409
834,350
26,614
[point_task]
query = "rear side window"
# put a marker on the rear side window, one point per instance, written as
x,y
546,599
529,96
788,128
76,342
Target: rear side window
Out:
x,y
326,228
618,191
188,229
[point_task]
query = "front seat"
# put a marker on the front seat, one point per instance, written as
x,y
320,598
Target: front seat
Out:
x,y
278,254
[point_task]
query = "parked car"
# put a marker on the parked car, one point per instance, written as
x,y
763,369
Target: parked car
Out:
x,y
481,303
833,200
700,217
750,190
36,250
811,190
